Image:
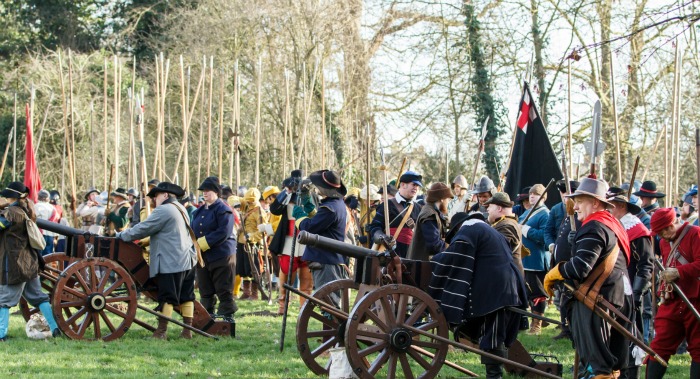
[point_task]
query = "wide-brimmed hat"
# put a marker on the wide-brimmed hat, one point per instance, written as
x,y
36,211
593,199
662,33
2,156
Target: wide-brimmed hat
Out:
x,y
269,191
662,219
168,188
15,190
437,192
485,184
373,193
91,190
501,199
411,177
455,223
329,180
648,189
210,184
523,195
561,185
619,197
121,192
594,188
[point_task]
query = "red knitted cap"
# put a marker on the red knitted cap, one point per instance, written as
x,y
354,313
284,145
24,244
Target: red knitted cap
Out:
x,y
661,219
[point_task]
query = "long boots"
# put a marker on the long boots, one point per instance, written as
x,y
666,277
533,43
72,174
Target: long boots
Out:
x,y
237,286
187,310
4,322
306,283
47,312
253,291
494,368
535,326
162,331
246,290
655,370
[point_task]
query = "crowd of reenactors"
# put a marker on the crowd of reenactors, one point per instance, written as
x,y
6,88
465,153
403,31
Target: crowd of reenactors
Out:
x,y
489,254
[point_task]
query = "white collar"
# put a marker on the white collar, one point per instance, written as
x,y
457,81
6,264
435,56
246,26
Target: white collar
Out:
x,y
629,220
400,198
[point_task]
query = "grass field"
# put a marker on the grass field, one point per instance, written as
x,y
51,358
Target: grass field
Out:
x,y
254,353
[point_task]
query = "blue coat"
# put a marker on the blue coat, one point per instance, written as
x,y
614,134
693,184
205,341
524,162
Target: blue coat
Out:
x,y
551,230
213,227
476,275
538,260
329,221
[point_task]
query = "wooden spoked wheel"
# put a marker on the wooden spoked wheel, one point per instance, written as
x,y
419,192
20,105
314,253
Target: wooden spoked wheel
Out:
x,y
379,345
318,331
94,299
55,263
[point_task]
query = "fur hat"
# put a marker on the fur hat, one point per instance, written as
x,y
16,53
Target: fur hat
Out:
x,y
437,192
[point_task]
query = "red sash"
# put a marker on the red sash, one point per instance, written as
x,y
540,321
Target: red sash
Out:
x,y
405,236
613,224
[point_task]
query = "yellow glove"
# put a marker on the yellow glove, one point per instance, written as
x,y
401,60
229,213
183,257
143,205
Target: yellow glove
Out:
x,y
552,276
203,244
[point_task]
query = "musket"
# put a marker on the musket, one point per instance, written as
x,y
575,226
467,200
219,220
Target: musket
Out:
x,y
572,218
537,203
595,135
603,313
534,315
678,291
634,176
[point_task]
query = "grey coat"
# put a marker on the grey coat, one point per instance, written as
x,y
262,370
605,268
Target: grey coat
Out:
x,y
171,245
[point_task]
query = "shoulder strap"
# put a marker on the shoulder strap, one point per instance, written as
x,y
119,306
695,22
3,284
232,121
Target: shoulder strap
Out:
x,y
674,247
398,205
192,236
591,286
403,221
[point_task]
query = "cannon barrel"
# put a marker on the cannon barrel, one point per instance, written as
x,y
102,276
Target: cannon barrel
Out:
x,y
342,248
58,228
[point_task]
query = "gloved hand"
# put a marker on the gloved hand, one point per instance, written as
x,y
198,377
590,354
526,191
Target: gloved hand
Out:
x,y
381,238
670,275
362,239
265,228
299,212
571,237
552,276
525,229
551,248
639,287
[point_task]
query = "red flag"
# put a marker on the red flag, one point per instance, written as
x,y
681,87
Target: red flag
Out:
x,y
31,171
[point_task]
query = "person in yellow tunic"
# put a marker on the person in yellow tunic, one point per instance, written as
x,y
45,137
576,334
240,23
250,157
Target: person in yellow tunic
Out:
x,y
250,238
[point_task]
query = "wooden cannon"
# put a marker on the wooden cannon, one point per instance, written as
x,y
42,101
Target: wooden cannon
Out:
x,y
94,288
387,322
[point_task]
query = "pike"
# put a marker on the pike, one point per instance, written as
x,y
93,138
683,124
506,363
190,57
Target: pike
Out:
x,y
211,100
7,150
403,165
104,126
258,121
572,218
478,156
634,176
221,124
201,127
614,111
603,313
66,141
143,171
697,156
109,197
189,113
43,124
14,140
383,168
678,291
595,136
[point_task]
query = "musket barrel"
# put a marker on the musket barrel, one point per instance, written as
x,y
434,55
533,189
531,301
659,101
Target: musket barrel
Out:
x,y
58,228
345,249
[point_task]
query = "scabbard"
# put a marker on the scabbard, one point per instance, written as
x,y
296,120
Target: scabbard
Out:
x,y
600,312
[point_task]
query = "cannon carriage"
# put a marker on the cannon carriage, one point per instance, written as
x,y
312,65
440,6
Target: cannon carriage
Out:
x,y
94,288
387,322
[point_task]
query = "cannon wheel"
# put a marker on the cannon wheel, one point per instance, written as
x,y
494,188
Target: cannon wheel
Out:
x,y
94,299
315,339
57,261
377,322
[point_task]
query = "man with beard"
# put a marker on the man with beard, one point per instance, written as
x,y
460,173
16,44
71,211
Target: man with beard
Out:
x,y
483,190
429,235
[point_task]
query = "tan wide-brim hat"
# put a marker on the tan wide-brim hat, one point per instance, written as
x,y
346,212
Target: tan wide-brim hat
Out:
x,y
594,188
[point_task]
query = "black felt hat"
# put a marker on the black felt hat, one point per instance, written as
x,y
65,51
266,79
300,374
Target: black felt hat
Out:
x,y
455,223
648,189
561,185
211,184
15,190
121,192
329,180
168,188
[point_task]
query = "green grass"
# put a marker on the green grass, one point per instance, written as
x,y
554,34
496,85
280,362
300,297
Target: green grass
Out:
x,y
254,353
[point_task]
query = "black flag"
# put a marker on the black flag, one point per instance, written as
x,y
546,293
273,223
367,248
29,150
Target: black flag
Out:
x,y
533,160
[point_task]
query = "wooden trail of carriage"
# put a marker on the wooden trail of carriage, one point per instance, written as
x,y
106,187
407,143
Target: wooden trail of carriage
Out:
x,y
386,321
